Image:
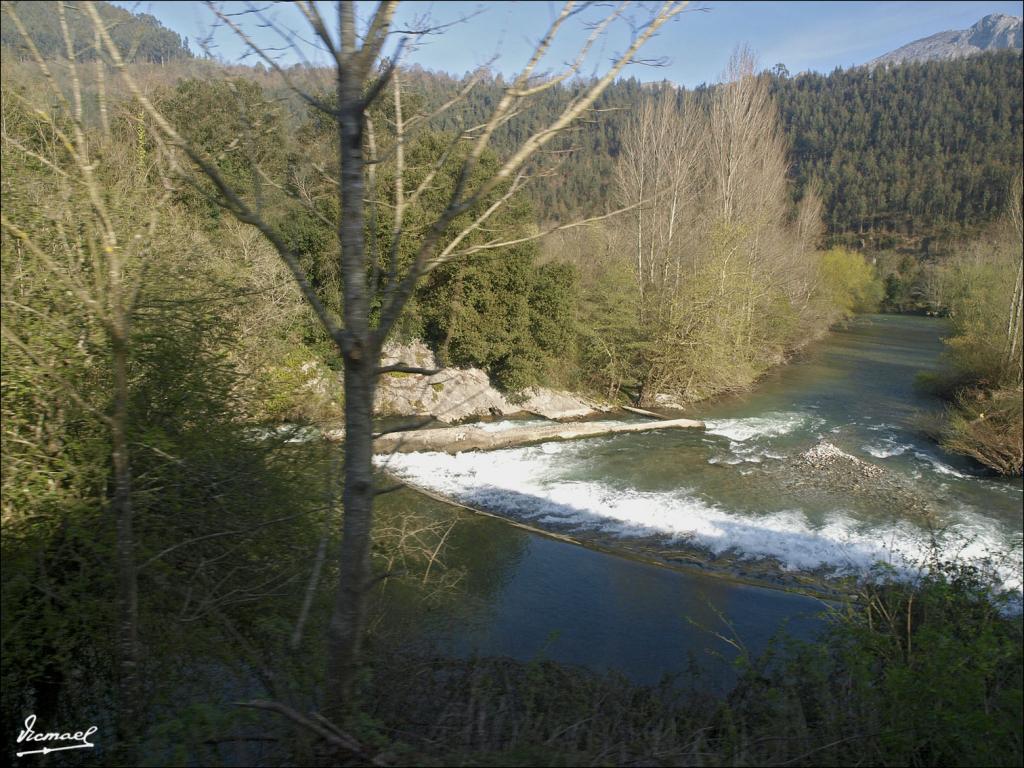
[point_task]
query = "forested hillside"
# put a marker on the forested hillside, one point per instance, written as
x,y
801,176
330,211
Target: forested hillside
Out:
x,y
140,36
912,151
902,155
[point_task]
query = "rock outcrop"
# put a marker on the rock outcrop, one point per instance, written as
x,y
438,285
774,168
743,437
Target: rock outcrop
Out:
x,y
455,394
552,404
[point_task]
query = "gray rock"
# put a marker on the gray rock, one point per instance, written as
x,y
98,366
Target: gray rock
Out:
x,y
455,394
994,32
552,404
669,401
835,473
825,455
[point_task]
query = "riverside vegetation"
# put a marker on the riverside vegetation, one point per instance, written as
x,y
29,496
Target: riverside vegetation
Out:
x,y
154,547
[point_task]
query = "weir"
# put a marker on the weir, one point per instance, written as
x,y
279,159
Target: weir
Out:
x,y
474,438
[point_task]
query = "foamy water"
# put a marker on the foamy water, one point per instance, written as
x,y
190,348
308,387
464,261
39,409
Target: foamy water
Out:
x,y
767,425
527,484
886,449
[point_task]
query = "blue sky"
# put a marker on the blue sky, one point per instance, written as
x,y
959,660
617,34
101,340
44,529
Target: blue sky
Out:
x,y
695,47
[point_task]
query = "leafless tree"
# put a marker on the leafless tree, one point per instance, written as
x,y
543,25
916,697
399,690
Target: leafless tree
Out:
x,y
362,76
94,244
715,247
660,175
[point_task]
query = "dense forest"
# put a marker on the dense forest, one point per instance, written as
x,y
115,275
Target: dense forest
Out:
x,y
925,150
896,151
187,277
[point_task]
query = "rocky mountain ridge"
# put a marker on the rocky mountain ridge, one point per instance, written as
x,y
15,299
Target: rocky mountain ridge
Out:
x,y
993,32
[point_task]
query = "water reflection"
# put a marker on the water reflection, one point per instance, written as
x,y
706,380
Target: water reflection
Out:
x,y
530,597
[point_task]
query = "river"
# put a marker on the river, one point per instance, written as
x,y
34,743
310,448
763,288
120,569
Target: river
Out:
x,y
726,504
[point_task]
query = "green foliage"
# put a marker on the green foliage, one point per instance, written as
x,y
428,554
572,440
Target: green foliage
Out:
x,y
297,387
495,309
979,300
610,335
553,324
232,122
934,668
501,314
201,486
850,282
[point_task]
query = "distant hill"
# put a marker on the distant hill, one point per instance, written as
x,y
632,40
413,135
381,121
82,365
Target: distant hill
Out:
x,y
140,37
994,32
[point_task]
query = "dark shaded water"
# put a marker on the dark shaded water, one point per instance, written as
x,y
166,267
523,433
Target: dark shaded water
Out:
x,y
530,597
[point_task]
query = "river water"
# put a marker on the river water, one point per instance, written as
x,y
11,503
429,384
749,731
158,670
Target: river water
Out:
x,y
732,499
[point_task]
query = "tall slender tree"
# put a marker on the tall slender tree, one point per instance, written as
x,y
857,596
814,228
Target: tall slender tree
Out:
x,y
1014,342
362,75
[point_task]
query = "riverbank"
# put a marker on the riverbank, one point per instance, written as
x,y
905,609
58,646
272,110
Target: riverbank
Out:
x,y
556,653
878,470
986,424
885,684
458,395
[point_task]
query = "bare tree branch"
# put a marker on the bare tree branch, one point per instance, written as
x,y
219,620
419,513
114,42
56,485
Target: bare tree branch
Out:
x,y
238,208
457,204
493,245
309,99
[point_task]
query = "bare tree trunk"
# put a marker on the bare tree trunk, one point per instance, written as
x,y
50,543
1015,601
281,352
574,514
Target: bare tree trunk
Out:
x,y
127,575
1014,368
1013,362
348,617
361,357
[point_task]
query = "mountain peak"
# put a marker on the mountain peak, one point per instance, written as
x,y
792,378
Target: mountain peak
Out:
x,y
993,32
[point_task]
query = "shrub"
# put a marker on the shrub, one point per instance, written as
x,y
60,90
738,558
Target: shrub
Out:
x,y
989,427
850,281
